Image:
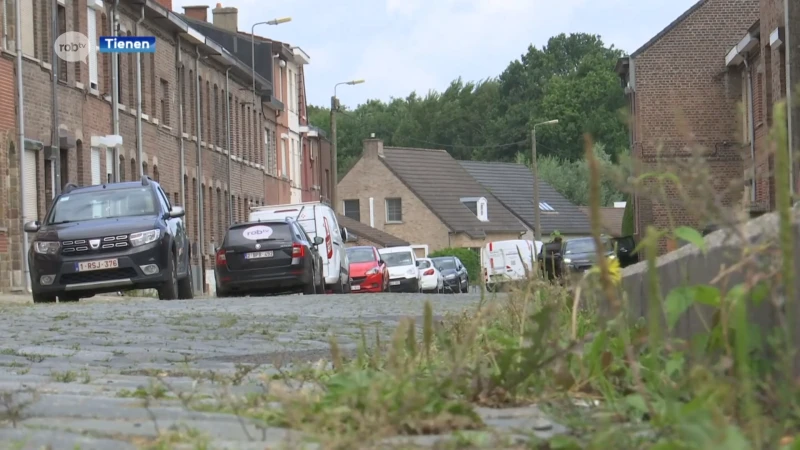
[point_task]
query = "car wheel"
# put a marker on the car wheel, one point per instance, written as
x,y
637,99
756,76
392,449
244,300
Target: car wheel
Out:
x,y
310,288
186,286
43,298
169,289
465,290
221,292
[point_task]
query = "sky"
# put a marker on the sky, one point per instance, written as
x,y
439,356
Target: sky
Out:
x,y
401,46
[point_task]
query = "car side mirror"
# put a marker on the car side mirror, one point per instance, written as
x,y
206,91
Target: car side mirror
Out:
x,y
381,262
32,226
318,240
417,263
177,211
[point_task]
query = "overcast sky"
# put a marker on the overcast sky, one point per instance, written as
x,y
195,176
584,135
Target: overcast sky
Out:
x,y
400,46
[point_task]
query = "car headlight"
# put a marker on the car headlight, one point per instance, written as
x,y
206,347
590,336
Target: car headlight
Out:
x,y
612,256
46,247
144,237
372,271
412,272
567,260
450,277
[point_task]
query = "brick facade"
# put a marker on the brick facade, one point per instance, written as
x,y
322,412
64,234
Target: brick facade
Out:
x,y
166,84
681,96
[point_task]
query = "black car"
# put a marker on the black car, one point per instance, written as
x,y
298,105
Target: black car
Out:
x,y
107,238
268,258
579,255
456,278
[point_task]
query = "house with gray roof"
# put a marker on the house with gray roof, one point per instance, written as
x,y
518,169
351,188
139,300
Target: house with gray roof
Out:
x,y
425,197
512,185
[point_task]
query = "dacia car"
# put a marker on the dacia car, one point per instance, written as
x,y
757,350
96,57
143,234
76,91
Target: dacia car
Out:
x,y
109,238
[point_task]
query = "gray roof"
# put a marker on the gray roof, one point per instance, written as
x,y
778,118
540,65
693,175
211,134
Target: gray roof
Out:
x,y
440,182
512,184
365,231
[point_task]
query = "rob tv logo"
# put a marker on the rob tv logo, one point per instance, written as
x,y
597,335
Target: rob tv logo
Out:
x,y
127,44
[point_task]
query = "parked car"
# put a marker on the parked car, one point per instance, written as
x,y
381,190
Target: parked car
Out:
x,y
104,238
368,273
317,219
456,278
508,261
579,255
430,278
267,258
403,272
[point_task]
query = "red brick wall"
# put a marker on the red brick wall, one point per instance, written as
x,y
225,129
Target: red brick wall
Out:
x,y
84,113
682,97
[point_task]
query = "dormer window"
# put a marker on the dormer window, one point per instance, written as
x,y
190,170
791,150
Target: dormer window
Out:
x,y
478,206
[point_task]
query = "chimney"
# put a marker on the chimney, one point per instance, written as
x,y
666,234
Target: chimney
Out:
x,y
199,12
226,18
373,148
165,3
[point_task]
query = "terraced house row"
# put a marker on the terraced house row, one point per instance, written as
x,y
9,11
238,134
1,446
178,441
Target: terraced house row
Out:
x,y
218,134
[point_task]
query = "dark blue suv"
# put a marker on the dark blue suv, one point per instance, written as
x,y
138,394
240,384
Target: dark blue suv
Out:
x,y
107,238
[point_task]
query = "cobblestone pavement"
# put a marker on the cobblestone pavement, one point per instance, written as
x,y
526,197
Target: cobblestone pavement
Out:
x,y
69,372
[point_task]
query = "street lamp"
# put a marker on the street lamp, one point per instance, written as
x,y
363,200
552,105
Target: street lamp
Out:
x,y
537,231
253,49
334,155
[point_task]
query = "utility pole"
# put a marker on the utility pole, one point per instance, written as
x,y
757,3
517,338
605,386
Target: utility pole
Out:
x,y
334,154
537,231
55,146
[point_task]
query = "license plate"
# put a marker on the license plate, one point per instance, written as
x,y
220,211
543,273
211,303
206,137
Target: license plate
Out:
x,y
257,255
355,287
394,283
96,265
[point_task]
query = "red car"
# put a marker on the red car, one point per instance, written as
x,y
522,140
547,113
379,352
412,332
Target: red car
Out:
x,y
368,273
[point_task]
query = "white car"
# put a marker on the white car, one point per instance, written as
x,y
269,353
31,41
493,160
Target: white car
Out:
x,y
430,279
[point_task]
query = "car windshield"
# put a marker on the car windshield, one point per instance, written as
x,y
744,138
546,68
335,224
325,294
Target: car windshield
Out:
x,y
360,255
104,204
581,246
397,259
250,233
445,263
424,264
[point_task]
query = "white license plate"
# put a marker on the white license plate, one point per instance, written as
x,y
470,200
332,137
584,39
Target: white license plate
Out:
x,y
257,255
394,283
355,287
96,265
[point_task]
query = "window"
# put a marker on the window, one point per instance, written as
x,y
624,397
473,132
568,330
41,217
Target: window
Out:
x,y
91,26
283,157
76,26
543,206
394,210
360,254
62,28
165,102
352,209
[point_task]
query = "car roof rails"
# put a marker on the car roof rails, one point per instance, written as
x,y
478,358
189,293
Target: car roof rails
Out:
x,y
69,188
146,180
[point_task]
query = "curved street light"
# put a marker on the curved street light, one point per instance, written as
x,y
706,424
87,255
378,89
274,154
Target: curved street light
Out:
x,y
334,149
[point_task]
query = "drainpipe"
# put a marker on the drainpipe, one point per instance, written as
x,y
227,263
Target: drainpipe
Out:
x,y
181,125
789,90
200,215
21,148
115,89
55,146
302,166
752,126
139,143
372,212
228,143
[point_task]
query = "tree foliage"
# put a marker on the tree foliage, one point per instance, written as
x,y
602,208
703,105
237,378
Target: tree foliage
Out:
x,y
571,79
470,258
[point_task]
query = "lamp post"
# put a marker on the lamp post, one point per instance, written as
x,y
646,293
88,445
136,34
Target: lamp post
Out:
x,y
253,49
334,150
537,231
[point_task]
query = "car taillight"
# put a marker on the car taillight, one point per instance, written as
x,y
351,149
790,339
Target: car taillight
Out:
x,y
428,272
221,259
298,250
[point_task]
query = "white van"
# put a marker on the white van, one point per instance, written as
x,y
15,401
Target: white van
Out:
x,y
318,219
403,271
501,260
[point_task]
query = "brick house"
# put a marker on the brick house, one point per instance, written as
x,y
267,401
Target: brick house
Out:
x,y
424,197
170,130
680,95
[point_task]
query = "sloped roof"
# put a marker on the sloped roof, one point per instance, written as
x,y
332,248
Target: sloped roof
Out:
x,y
512,184
669,27
371,234
440,182
611,218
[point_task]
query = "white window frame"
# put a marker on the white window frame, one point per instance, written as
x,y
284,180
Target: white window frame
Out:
x,y
28,37
91,28
386,210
